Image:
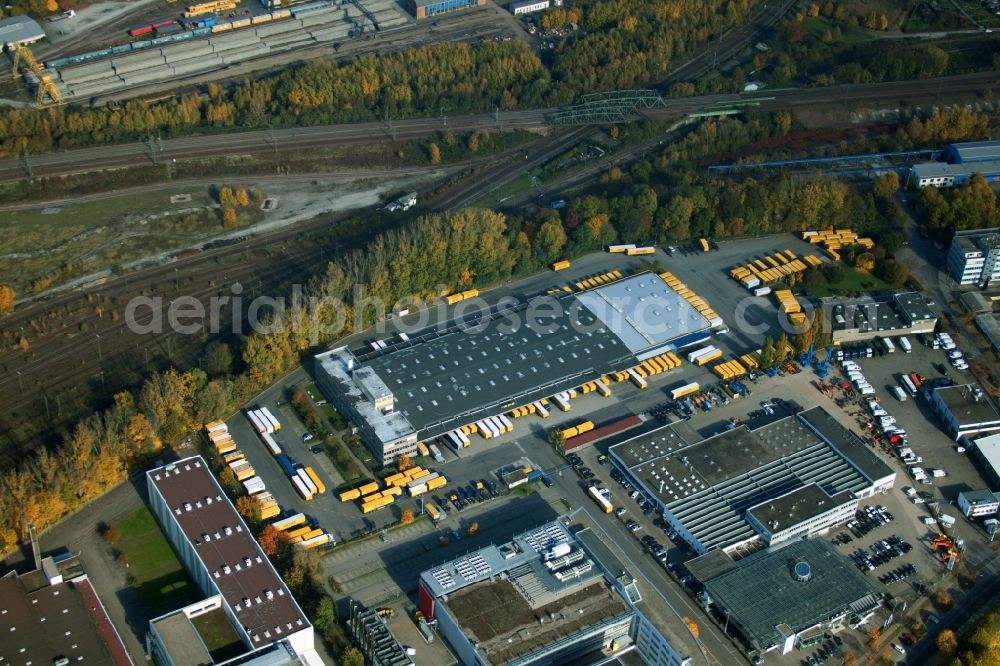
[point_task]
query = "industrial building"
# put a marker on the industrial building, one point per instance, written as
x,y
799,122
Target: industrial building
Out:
x,y
986,451
868,317
376,641
222,556
528,7
193,52
52,615
20,30
961,161
543,598
745,488
978,503
964,410
417,386
784,598
422,9
974,257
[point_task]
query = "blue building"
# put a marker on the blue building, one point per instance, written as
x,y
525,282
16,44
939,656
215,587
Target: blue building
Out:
x,y
961,161
427,8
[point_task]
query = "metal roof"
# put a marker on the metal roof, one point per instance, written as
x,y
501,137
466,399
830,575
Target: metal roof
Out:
x,y
20,29
762,590
913,306
945,170
709,486
974,151
796,507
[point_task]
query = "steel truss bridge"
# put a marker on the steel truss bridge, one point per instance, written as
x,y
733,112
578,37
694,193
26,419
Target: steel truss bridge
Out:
x,y
615,106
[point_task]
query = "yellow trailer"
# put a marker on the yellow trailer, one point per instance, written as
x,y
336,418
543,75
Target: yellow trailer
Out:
x,y
470,293
452,299
560,265
349,495
320,486
270,511
299,531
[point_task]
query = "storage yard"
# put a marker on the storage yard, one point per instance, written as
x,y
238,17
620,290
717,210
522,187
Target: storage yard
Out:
x,y
219,45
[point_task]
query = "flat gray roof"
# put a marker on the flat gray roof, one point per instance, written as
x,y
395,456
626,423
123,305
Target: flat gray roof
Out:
x,y
848,444
20,29
643,311
460,372
945,170
795,507
914,306
181,639
989,450
971,151
965,407
710,485
762,590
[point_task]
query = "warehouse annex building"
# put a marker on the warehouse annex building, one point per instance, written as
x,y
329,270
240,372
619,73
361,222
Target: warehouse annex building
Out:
x,y
965,410
791,478
418,386
542,598
786,597
960,162
245,595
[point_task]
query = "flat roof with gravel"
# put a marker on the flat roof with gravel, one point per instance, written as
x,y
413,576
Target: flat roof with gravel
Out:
x,y
968,403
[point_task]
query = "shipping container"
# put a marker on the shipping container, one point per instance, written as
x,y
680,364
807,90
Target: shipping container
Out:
x,y
316,541
272,445
256,421
682,391
637,251
215,426
637,379
368,488
302,488
304,478
422,449
905,345
320,486
560,265
290,522
268,418
432,511
348,495
615,249
233,456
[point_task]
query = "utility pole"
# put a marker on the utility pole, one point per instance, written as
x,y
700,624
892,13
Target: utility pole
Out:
x,y
177,285
444,118
496,115
271,138
151,149
27,166
20,382
100,356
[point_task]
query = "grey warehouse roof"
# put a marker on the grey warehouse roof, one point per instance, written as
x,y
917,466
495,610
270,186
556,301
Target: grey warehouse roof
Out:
x,y
976,151
961,401
20,29
913,305
709,486
944,170
643,311
796,507
761,591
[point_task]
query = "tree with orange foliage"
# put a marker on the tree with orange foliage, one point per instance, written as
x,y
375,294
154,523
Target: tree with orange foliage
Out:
x,y
404,463
692,626
7,298
271,539
406,518
873,635
946,642
229,218
249,508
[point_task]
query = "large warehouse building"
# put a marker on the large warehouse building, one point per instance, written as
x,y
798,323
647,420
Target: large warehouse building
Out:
x,y
965,410
544,598
422,385
791,478
244,591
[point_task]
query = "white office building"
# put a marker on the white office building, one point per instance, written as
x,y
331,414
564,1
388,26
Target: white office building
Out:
x,y
974,257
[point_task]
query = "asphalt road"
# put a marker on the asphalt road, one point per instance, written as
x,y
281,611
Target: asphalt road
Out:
x,y
197,147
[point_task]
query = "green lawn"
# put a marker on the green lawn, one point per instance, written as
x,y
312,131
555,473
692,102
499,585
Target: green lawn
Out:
x,y
158,576
851,281
219,635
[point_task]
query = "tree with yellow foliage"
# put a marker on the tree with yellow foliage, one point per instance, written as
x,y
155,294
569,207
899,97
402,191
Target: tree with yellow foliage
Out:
x,y
404,463
407,517
229,218
242,198
7,299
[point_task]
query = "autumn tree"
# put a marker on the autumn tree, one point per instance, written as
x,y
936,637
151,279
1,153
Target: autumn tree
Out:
x,y
946,642
226,197
7,298
51,6
351,656
407,517
942,599
434,153
229,218
242,198
270,540
249,508
228,480
874,634
404,463
850,659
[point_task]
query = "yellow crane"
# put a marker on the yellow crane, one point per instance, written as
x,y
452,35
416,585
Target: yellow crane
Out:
x,y
22,56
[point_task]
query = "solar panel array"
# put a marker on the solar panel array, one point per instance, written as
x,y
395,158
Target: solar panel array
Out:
x,y
443,578
545,537
473,567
